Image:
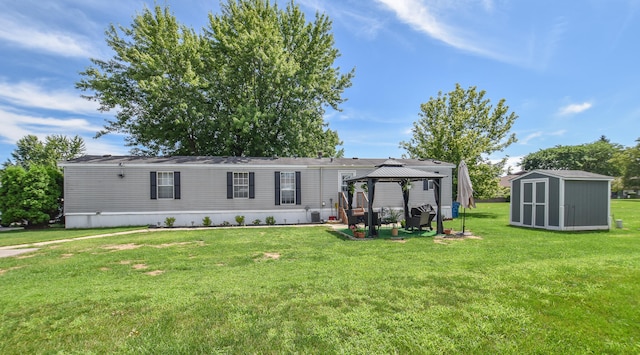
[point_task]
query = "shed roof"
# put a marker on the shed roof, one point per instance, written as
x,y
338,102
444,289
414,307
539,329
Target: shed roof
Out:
x,y
566,175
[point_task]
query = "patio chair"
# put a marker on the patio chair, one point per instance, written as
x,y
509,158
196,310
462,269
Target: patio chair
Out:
x,y
421,217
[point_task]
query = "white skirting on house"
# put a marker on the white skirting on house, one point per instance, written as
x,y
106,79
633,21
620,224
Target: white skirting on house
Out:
x,y
186,218
194,218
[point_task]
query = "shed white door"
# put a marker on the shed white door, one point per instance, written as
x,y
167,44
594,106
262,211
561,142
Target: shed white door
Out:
x,y
534,203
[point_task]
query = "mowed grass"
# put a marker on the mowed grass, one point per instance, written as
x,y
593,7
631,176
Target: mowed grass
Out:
x,y
24,236
307,290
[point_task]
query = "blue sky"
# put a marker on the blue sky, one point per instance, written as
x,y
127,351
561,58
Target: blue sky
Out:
x,y
568,69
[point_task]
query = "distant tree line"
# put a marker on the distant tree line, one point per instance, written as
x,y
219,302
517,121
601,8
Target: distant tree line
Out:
x,y
600,157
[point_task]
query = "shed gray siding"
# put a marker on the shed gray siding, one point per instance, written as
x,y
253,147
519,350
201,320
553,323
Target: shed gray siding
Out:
x,y
554,202
515,201
576,200
586,203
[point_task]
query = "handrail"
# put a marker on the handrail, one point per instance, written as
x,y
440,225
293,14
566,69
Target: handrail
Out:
x,y
362,201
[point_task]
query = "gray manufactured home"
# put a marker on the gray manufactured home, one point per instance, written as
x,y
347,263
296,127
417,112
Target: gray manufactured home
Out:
x,y
102,191
561,200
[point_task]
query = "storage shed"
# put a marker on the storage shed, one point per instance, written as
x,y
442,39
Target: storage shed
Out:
x,y
561,200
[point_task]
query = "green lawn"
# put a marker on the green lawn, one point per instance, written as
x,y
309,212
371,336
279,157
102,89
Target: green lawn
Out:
x,y
308,290
21,236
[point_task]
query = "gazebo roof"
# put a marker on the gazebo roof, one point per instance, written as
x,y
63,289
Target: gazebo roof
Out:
x,y
395,171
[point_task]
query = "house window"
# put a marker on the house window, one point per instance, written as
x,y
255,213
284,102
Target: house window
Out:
x,y
287,188
427,184
344,176
165,184
241,185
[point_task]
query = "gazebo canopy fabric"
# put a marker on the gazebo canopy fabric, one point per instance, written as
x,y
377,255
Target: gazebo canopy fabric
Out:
x,y
395,171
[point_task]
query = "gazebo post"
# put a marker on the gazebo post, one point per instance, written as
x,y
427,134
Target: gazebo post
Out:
x,y
371,185
438,192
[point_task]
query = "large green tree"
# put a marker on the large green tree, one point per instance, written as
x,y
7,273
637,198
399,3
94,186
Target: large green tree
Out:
x,y
463,125
32,196
256,82
596,157
32,151
31,184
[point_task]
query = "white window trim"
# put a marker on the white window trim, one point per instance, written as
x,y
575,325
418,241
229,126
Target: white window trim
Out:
x,y
238,185
341,173
173,185
293,188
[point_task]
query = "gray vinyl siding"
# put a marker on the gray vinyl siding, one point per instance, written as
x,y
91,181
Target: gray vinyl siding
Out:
x,y
554,202
586,203
515,201
534,176
92,188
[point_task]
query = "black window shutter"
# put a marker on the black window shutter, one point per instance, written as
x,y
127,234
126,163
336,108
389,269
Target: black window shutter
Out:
x,y
425,184
277,179
154,186
176,185
252,185
229,185
298,189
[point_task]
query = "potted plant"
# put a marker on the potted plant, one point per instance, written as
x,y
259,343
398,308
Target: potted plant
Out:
x,y
394,216
358,232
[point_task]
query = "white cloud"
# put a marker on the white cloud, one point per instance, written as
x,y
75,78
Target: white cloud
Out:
x,y
428,17
360,21
16,125
538,134
529,137
20,32
574,108
484,27
512,164
30,95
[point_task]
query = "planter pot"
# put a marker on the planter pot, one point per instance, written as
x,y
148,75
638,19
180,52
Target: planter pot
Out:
x,y
448,231
358,234
394,232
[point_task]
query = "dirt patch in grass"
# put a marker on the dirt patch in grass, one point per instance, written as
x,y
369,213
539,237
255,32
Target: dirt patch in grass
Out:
x,y
452,238
66,256
25,256
398,241
140,266
167,245
129,246
125,262
155,272
267,256
104,269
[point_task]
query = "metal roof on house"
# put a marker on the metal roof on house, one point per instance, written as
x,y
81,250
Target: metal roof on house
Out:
x,y
567,174
265,161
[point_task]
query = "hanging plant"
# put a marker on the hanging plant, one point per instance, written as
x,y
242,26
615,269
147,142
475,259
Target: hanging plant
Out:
x,y
406,185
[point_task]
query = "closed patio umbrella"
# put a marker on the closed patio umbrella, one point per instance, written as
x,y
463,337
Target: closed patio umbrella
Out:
x,y
465,190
